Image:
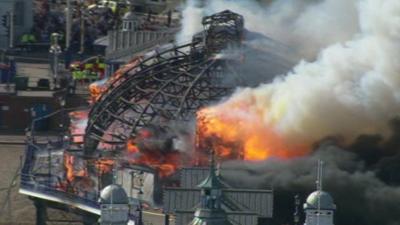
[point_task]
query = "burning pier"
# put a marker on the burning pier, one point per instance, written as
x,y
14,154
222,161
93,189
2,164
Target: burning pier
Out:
x,y
140,130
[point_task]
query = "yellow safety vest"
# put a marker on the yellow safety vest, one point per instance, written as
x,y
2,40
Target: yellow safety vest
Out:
x,y
31,38
102,65
88,66
25,39
78,75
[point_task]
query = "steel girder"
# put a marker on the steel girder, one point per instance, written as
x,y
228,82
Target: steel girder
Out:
x,y
168,86
171,89
223,30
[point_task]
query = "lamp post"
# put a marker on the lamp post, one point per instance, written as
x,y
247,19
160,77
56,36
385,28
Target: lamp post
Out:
x,y
68,24
296,214
63,119
55,49
82,25
12,25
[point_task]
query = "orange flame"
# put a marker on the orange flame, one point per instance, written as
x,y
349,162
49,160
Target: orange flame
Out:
x,y
69,167
165,163
104,165
238,133
70,172
78,125
96,89
131,146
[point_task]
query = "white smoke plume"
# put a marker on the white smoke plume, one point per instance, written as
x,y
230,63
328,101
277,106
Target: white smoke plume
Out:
x,y
304,25
192,14
352,88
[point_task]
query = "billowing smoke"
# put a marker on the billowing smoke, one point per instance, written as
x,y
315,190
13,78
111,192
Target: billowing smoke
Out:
x,y
350,89
349,92
306,26
192,14
361,198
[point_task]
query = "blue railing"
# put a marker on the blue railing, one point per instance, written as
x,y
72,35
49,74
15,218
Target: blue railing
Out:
x,y
29,182
43,185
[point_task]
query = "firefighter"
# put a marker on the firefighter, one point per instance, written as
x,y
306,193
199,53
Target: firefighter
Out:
x,y
25,42
92,76
87,70
24,39
100,67
31,39
88,66
77,74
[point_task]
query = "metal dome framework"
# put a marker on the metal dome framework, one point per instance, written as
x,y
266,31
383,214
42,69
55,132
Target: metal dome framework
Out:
x,y
224,29
167,86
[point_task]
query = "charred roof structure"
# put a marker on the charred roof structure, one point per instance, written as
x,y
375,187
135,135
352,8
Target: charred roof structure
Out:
x,y
167,85
223,30
163,87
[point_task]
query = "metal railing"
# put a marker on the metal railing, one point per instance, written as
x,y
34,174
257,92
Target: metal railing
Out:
x,y
46,186
164,37
32,183
31,137
28,182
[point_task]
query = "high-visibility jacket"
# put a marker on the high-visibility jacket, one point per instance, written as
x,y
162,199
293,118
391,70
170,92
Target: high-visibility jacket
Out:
x,y
78,75
31,38
25,39
91,75
101,66
88,66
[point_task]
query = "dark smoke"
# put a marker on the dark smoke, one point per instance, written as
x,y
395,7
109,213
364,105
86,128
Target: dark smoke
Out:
x,y
361,183
362,177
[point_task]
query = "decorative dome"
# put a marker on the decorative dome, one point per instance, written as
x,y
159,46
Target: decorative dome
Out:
x,y
320,198
113,194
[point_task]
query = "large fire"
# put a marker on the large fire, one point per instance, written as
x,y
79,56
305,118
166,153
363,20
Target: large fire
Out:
x,y
78,124
232,130
238,133
97,88
70,170
233,134
166,163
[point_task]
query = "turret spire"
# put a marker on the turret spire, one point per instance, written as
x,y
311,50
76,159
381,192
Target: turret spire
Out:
x,y
319,207
212,162
212,181
210,211
319,175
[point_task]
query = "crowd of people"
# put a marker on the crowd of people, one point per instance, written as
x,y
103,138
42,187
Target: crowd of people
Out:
x,y
50,17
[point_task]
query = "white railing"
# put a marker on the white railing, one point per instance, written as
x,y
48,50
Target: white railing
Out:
x,y
124,44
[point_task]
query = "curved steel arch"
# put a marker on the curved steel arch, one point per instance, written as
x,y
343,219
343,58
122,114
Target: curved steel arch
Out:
x,y
167,86
169,90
